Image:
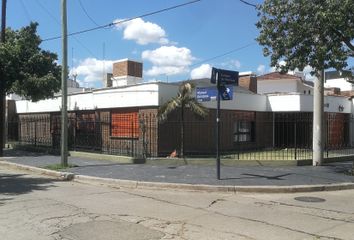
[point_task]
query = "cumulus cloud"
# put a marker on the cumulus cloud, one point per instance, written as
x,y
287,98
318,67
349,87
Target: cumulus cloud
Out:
x,y
168,60
142,32
231,64
90,70
203,71
261,69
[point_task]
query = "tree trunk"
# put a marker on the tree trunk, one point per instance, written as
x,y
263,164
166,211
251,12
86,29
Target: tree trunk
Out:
x,y
318,113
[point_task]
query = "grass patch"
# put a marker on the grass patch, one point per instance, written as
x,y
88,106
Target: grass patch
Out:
x,y
57,167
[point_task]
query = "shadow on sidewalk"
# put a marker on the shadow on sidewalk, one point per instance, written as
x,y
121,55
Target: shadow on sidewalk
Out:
x,y
22,153
16,184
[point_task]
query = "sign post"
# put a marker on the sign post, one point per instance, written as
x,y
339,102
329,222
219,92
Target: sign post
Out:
x,y
222,77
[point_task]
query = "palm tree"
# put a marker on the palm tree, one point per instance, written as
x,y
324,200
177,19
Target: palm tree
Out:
x,y
183,99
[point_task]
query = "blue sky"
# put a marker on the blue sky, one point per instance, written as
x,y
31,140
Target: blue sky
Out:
x,y
173,45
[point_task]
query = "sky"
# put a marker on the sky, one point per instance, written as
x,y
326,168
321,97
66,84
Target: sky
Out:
x,y
179,44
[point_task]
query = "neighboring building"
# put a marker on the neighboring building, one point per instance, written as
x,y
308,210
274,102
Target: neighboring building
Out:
x,y
276,82
342,80
122,117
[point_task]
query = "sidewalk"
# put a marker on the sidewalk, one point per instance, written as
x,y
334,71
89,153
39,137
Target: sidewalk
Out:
x,y
334,173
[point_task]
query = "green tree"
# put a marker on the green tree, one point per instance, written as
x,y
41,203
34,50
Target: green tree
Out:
x,y
26,69
318,33
183,100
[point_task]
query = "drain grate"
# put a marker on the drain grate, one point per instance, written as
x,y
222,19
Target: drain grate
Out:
x,y
309,199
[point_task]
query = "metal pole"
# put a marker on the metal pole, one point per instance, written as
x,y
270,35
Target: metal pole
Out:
x,y
318,120
2,83
218,128
64,89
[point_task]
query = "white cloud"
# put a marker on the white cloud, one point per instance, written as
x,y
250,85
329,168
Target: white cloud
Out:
x,y
90,70
231,64
168,60
142,32
203,71
261,69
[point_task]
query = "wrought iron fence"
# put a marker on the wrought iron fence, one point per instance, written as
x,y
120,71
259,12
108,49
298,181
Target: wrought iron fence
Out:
x,y
244,135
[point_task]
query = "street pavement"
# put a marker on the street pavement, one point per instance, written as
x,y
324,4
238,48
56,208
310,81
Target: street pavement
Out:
x,y
334,173
42,208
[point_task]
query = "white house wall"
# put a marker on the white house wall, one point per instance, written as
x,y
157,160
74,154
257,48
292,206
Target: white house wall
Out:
x,y
272,86
304,89
242,101
339,83
304,103
166,92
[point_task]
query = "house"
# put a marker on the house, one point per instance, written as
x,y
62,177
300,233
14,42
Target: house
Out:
x,y
121,118
275,82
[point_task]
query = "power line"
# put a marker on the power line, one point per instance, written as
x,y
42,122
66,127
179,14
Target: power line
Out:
x,y
57,21
249,4
223,54
124,20
26,11
86,13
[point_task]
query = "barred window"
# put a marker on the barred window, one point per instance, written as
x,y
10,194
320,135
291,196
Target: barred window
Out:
x,y
125,124
243,131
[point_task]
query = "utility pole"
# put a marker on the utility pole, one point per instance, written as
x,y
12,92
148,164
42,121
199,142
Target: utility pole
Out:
x,y
318,119
64,89
2,83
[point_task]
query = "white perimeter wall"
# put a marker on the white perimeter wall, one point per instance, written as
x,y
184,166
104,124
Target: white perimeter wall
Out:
x,y
131,96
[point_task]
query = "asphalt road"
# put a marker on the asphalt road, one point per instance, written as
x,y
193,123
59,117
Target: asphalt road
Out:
x,y
34,207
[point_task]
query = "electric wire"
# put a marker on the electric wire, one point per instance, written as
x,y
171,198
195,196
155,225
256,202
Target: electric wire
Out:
x,y
57,21
86,13
223,54
28,16
124,20
249,4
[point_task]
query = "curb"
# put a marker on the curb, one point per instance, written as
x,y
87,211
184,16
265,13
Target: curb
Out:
x,y
120,183
64,176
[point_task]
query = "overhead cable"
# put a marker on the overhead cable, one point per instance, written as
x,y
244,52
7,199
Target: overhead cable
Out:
x,y
124,20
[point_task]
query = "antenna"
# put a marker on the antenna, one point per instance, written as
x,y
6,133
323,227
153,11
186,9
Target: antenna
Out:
x,y
104,63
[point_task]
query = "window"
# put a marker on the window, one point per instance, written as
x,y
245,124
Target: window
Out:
x,y
243,131
124,124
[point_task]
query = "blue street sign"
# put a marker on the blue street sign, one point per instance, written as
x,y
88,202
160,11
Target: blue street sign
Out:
x,y
226,92
209,93
206,94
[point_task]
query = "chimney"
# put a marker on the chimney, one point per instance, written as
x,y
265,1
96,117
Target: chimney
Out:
x,y
249,82
127,72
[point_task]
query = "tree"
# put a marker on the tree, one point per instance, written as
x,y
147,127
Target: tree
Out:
x,y
26,69
183,100
317,33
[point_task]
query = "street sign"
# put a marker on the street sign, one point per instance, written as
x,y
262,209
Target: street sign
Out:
x,y
226,92
213,75
227,77
222,77
207,94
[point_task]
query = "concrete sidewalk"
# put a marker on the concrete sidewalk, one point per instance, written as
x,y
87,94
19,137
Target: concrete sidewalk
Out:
x,y
286,177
